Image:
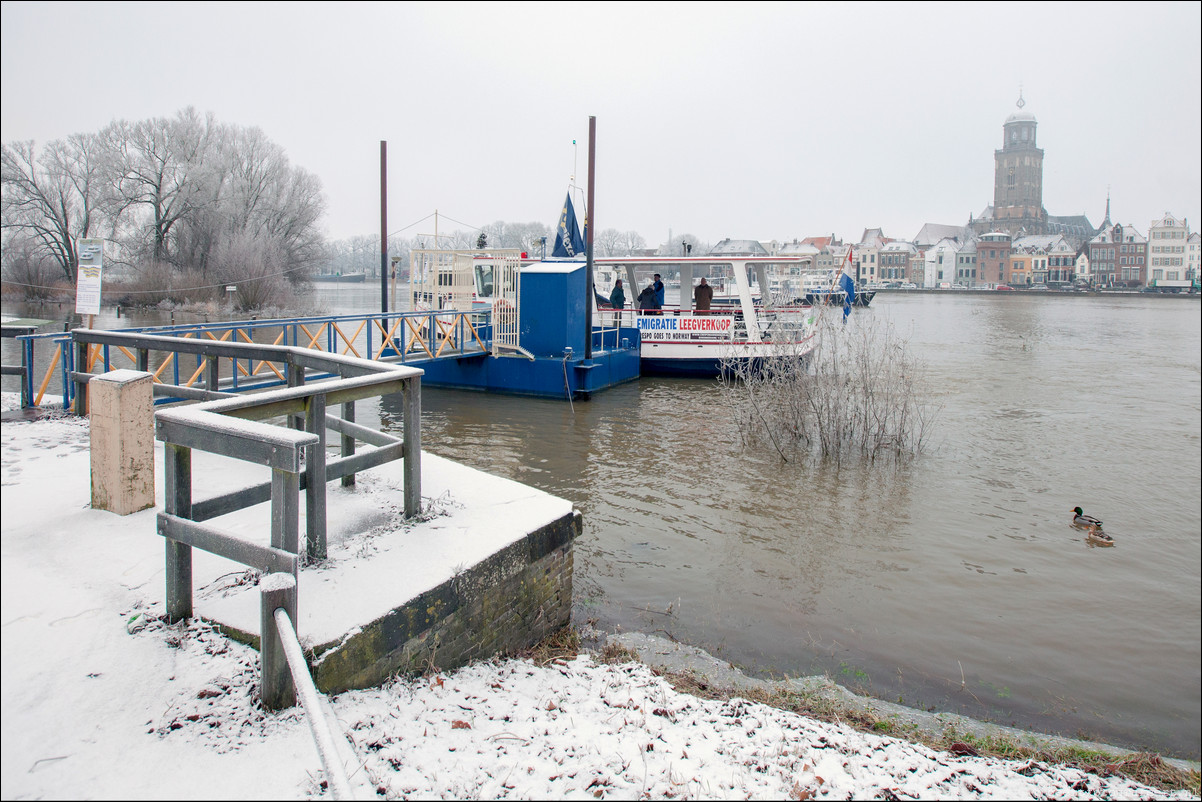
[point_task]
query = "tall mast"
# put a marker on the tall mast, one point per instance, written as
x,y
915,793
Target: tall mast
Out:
x,y
590,225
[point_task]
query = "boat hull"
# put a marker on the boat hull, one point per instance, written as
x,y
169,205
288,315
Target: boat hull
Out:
x,y
706,360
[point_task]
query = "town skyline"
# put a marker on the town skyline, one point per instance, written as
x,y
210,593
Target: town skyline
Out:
x,y
762,120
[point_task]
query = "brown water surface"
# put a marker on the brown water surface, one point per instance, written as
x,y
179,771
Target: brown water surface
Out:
x,y
954,582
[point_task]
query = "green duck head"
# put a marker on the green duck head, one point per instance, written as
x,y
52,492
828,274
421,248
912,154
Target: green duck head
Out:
x,y
1078,510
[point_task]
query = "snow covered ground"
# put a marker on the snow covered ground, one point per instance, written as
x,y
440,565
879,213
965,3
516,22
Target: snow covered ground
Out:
x,y
102,699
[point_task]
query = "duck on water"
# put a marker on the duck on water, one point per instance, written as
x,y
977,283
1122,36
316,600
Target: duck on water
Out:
x,y
1093,528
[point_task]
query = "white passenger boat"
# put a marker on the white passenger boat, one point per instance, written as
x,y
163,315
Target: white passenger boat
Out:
x,y
680,340
820,289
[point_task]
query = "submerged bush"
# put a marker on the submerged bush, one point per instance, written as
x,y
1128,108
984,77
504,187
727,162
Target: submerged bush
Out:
x,y
860,391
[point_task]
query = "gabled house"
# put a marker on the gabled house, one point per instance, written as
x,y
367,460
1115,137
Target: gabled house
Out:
x,y
893,261
940,264
1118,257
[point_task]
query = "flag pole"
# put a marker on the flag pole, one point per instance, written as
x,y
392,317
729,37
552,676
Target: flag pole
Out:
x,y
383,227
590,225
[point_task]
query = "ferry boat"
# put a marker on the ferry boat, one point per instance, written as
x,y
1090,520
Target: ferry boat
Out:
x,y
743,323
676,340
819,289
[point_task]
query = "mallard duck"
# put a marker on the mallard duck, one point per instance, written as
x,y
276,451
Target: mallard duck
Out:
x,y
1099,538
1083,521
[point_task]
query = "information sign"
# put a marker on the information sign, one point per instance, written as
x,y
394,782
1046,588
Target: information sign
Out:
x,y
89,278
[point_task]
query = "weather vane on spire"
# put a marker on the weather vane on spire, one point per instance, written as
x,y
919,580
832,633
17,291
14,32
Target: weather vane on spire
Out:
x,y
1021,102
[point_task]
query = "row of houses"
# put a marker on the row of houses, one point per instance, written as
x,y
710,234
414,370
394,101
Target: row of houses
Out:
x,y
1116,256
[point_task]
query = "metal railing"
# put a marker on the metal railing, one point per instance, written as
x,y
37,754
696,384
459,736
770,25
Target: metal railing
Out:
x,y
23,371
233,425
282,660
402,337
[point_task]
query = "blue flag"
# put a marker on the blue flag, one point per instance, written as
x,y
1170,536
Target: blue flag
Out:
x,y
567,235
849,293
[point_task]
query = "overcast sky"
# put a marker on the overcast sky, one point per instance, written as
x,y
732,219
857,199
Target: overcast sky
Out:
x,y
751,121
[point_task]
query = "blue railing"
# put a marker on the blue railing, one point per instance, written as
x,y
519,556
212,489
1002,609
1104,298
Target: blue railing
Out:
x,y
404,337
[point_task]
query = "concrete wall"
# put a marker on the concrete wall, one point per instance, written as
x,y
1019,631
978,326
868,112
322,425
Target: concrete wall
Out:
x,y
508,602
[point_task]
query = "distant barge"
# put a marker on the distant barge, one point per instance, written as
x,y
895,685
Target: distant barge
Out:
x,y
342,278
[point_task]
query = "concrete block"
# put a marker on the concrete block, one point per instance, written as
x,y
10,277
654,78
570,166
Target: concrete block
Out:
x,y
122,441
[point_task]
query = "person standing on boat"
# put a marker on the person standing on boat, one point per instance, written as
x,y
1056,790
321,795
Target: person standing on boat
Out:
x,y
617,298
659,291
703,296
649,301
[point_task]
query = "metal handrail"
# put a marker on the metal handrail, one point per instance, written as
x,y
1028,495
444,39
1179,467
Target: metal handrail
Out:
x,y
319,725
404,337
231,425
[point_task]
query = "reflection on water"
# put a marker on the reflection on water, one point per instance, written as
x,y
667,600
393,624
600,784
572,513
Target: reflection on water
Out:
x,y
953,582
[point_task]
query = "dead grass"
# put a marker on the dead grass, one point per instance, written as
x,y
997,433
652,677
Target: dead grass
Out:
x,y
561,645
1146,768
1149,769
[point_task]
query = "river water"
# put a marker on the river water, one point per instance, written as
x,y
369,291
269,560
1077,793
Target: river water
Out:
x,y
953,582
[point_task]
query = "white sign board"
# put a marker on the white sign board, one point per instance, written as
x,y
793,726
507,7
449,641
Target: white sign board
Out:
x,y
685,329
88,280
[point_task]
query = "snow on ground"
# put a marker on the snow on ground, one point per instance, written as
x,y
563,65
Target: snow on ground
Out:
x,y
103,699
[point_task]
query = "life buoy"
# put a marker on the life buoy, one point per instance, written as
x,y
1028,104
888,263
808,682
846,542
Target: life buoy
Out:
x,y
504,314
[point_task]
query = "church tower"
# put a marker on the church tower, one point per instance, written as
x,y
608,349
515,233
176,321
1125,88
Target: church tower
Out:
x,y
1018,177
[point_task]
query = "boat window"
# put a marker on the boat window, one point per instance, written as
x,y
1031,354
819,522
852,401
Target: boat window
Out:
x,y
484,281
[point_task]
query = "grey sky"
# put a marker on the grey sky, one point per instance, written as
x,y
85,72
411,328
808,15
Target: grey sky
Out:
x,y
762,121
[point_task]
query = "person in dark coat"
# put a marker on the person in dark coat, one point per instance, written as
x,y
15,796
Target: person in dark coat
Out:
x,y
658,284
617,298
703,296
648,302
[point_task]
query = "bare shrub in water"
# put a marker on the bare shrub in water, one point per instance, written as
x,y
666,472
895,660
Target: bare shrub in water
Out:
x,y
257,266
860,391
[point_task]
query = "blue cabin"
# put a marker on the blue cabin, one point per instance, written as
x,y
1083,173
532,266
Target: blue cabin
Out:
x,y
538,345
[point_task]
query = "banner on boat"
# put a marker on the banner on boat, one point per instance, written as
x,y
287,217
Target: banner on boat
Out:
x,y
653,327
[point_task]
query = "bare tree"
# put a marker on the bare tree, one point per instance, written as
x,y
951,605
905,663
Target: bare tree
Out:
x,y
160,175
459,240
685,243
608,242
632,241
359,254
57,197
27,265
528,237
171,191
256,264
252,193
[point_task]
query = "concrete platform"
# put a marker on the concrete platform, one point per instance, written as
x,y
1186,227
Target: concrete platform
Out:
x,y
487,569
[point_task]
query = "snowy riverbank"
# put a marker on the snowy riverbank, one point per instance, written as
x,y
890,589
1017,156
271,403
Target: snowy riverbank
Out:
x,y
101,699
